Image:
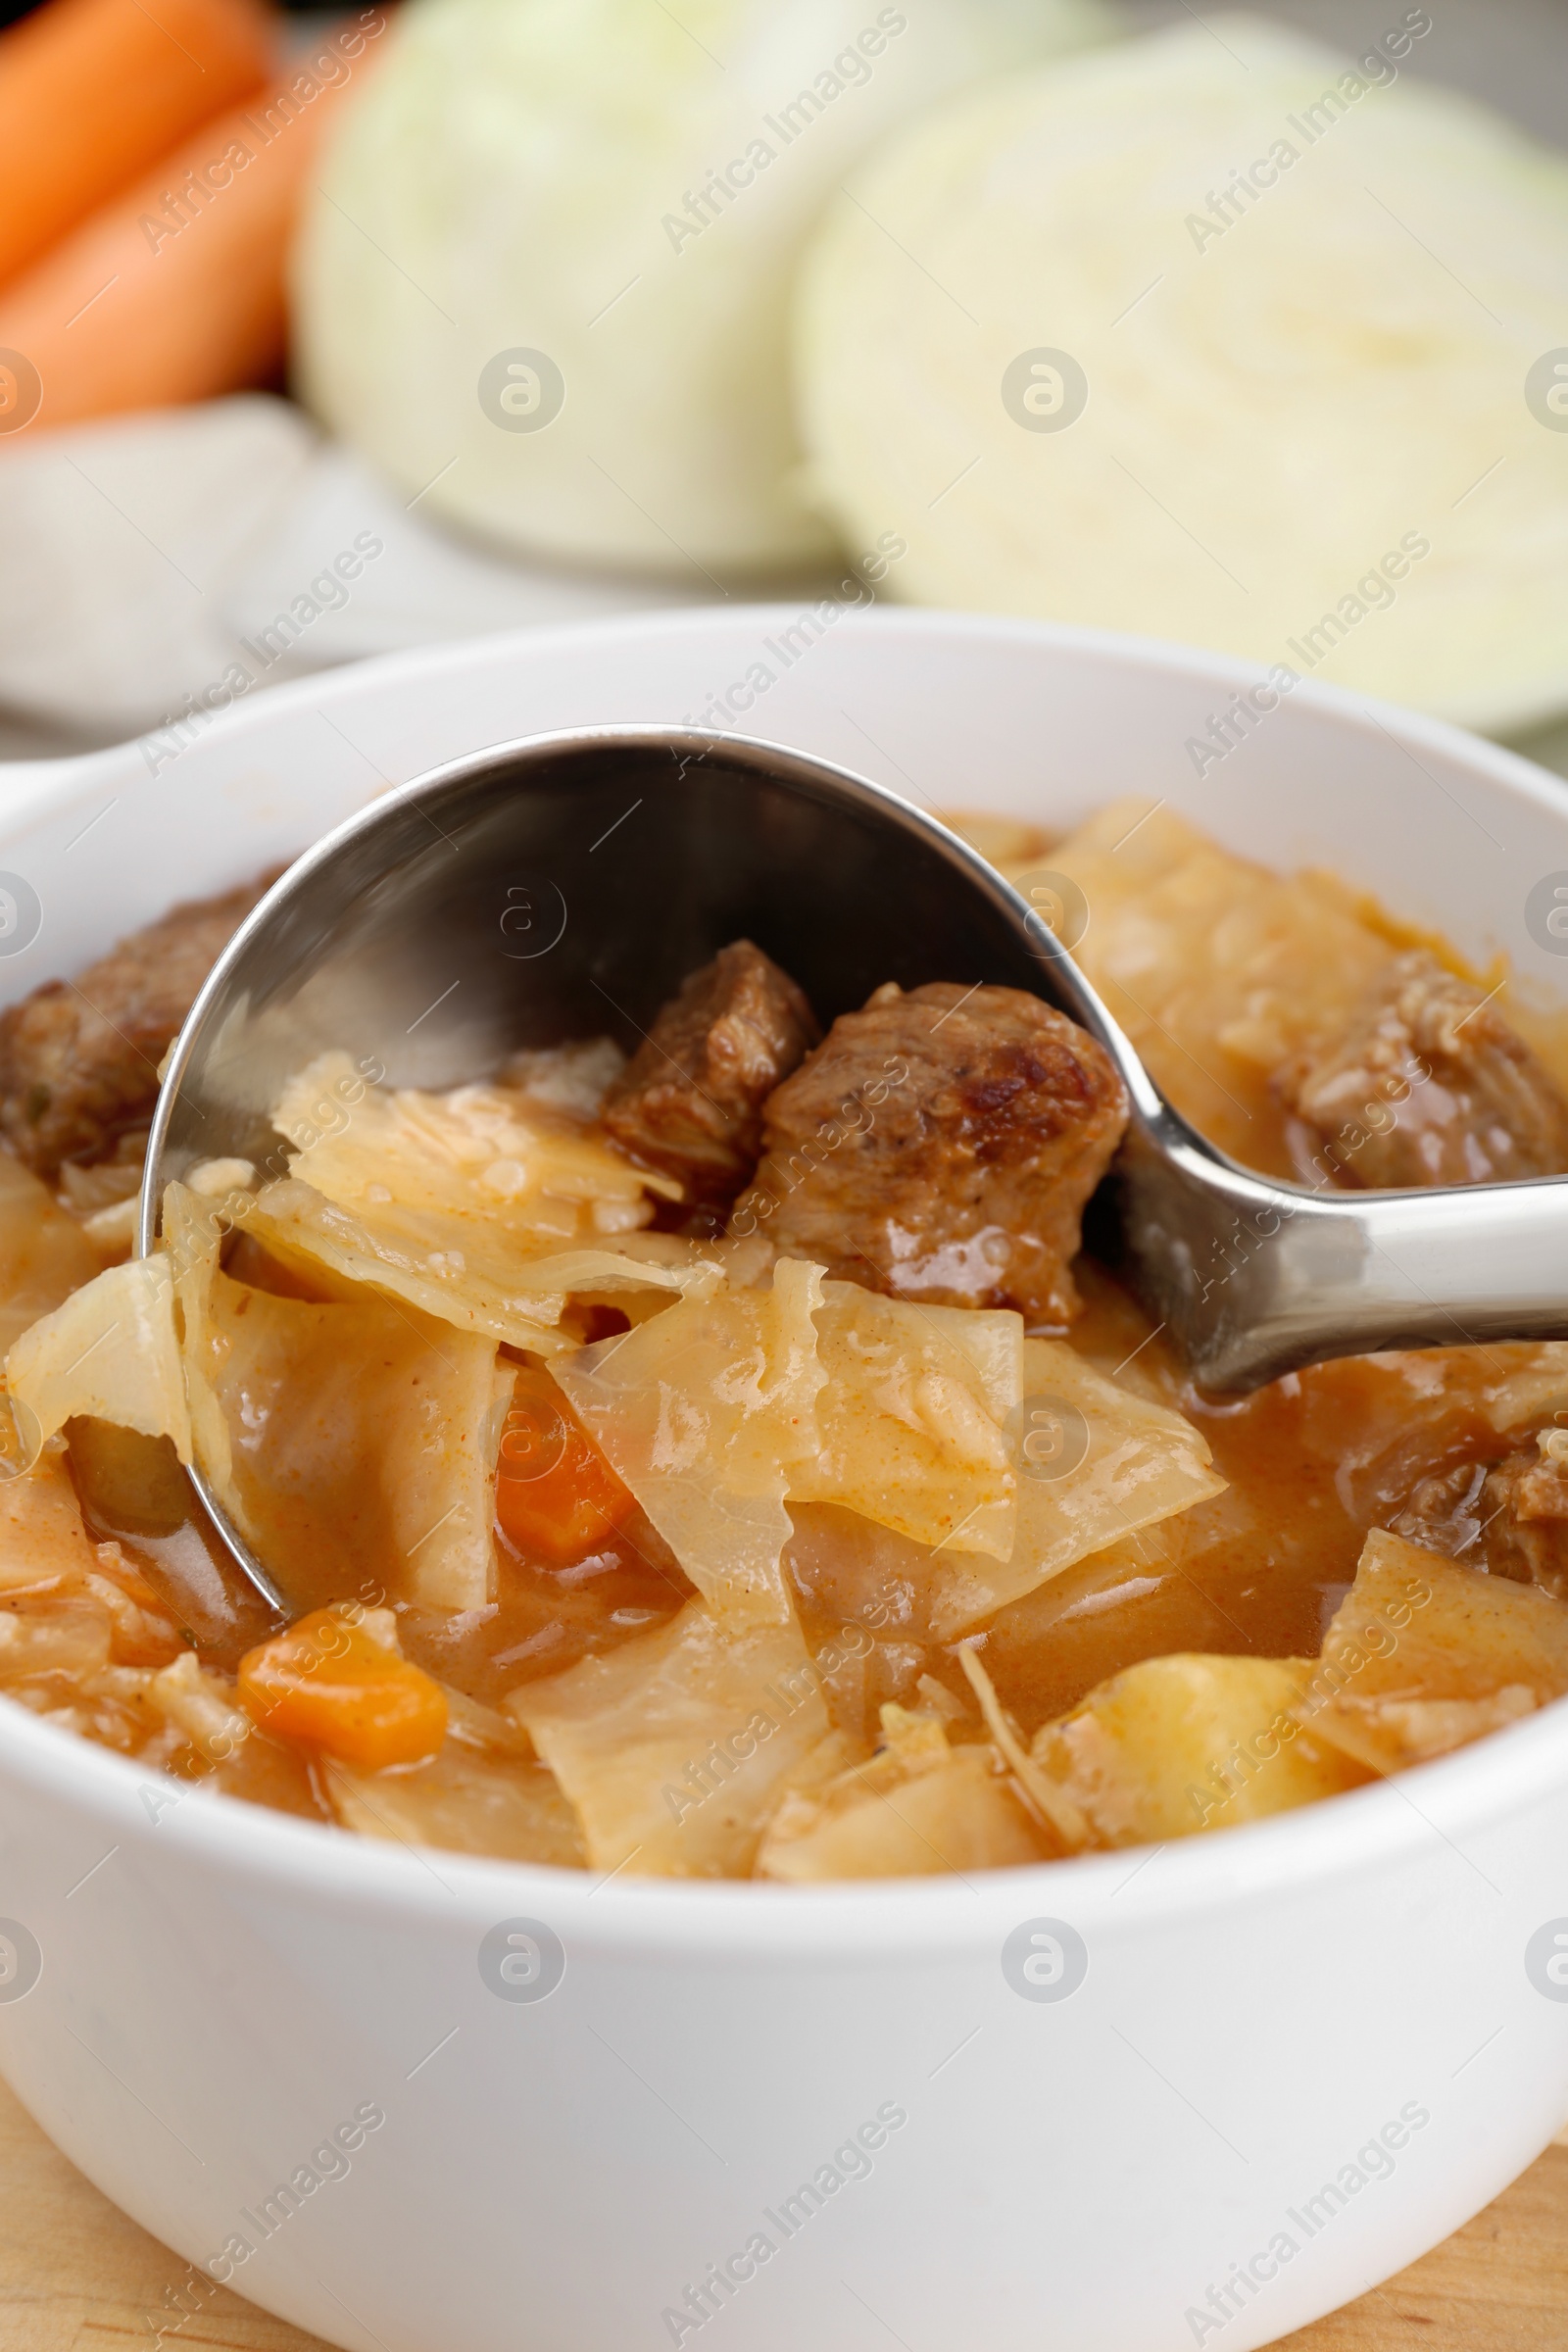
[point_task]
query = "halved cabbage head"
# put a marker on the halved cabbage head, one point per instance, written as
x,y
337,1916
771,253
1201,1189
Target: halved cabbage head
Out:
x,y
1213,334
545,277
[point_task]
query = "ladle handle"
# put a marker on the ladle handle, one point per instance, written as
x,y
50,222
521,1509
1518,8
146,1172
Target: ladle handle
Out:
x,y
1254,1280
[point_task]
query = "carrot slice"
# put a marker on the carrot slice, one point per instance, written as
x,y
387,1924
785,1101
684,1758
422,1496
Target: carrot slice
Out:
x,y
174,291
556,1495
93,92
328,1684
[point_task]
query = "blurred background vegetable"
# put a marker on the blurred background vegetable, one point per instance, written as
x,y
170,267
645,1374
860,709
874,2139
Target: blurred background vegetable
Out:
x,y
173,290
92,92
603,303
625,189
1221,334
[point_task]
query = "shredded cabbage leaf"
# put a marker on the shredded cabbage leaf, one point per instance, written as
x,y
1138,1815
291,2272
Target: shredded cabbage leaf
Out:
x,y
359,1432
919,1806
110,1353
485,1155
476,1277
44,1253
674,1750
486,1208
706,1412
910,1415
1142,1463
508,1807
43,1539
1424,1656
1218,971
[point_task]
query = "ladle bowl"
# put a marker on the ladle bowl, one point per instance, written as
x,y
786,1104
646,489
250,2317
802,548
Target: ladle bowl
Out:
x,y
562,887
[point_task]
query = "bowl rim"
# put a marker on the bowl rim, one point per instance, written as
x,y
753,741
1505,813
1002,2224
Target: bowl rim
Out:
x,y
1498,1780
40,788
1372,1830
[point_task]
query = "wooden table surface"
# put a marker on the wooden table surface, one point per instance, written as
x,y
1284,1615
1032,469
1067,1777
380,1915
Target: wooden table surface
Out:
x,y
77,2276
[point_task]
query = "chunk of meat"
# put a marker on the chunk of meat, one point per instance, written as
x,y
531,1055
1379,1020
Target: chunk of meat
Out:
x,y
1508,1517
79,1059
1524,1514
1428,1085
941,1145
690,1100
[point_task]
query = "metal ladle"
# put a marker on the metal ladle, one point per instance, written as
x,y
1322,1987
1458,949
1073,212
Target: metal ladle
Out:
x,y
562,887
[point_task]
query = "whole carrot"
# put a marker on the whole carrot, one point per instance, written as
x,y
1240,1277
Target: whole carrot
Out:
x,y
175,290
93,91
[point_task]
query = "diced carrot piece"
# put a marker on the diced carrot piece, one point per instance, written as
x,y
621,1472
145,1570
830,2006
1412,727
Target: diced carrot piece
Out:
x,y
326,1683
92,92
556,1495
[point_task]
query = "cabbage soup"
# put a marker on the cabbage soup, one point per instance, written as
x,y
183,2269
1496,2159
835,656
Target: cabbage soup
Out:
x,y
726,1462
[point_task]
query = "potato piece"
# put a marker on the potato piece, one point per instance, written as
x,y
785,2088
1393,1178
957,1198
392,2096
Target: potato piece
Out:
x,y
1424,1656
674,1749
1139,1462
918,1808
911,1416
1190,1742
469,1803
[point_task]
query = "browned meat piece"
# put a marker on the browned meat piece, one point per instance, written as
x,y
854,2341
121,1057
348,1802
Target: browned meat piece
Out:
x,y
690,1102
941,1145
1524,1514
1429,1086
79,1059
1510,1518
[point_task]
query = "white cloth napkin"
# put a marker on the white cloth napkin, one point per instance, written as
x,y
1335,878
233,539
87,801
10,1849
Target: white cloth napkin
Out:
x,y
204,551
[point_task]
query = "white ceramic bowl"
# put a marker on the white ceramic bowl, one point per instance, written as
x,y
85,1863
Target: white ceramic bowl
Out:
x,y
1337,1997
